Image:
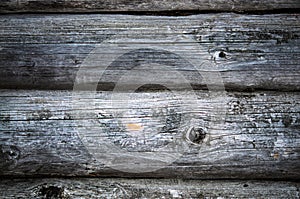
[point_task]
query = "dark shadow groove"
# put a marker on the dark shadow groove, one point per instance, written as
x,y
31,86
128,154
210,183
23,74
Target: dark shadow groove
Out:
x,y
163,12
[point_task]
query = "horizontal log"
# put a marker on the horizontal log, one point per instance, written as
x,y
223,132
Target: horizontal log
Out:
x,y
150,134
10,6
244,52
145,188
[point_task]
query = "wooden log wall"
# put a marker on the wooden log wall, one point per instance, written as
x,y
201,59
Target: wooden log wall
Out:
x,y
85,113
13,6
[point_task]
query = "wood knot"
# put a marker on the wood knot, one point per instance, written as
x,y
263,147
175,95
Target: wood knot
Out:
x,y
40,115
287,120
9,153
219,55
50,192
196,135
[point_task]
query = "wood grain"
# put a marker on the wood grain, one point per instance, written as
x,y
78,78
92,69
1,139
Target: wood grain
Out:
x,y
10,6
251,52
256,136
145,188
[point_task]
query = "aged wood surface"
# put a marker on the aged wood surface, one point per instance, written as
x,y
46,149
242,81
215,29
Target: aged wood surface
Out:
x,y
9,6
250,51
247,135
145,188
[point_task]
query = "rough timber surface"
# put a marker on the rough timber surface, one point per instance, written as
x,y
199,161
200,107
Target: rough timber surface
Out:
x,y
145,188
259,137
9,6
250,51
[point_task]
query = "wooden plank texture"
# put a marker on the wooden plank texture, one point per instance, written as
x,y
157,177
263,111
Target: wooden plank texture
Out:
x,y
251,52
9,6
256,135
145,188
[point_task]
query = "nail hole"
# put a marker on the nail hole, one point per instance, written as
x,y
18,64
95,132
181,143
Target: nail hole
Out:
x,y
245,185
196,135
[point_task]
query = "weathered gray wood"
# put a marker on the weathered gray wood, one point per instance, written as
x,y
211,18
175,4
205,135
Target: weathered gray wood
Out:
x,y
9,6
145,188
249,51
260,136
